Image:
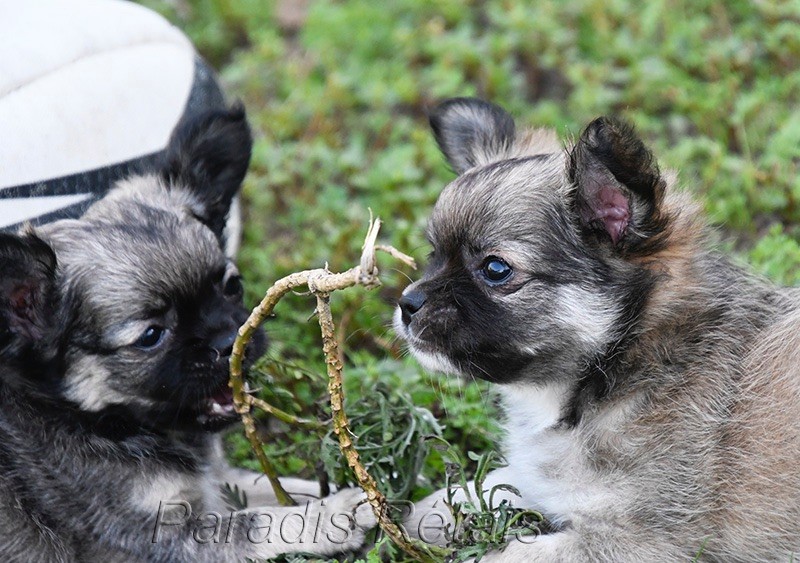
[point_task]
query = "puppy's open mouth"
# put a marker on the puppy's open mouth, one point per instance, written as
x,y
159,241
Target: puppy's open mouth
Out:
x,y
218,408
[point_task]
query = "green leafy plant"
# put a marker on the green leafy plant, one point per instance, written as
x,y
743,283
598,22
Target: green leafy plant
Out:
x,y
481,523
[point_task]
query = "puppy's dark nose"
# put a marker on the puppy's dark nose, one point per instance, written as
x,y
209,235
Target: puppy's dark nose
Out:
x,y
410,303
222,343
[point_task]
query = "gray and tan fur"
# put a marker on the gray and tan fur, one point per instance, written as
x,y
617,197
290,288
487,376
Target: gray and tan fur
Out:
x,y
651,386
115,334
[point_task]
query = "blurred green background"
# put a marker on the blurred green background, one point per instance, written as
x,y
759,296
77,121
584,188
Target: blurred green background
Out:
x,y
337,94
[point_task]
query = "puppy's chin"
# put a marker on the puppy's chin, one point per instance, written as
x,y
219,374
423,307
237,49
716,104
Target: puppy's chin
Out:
x,y
210,414
434,361
431,360
211,411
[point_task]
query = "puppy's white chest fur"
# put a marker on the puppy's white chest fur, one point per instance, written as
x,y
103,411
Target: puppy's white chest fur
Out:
x,y
547,464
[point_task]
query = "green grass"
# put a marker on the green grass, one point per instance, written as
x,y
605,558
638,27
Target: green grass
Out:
x,y
337,100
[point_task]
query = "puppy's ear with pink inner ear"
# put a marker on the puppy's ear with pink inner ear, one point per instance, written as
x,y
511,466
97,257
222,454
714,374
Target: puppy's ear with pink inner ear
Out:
x,y
27,287
471,132
618,189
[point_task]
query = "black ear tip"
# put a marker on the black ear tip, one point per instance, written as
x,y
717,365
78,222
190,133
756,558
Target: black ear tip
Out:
x,y
236,118
462,106
605,129
237,111
233,123
597,124
446,105
437,114
27,248
617,137
43,253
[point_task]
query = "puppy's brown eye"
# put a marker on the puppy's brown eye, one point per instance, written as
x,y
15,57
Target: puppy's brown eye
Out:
x,y
496,271
151,337
233,286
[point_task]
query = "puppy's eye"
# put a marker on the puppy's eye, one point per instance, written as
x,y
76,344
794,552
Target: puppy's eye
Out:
x,y
151,337
233,286
496,270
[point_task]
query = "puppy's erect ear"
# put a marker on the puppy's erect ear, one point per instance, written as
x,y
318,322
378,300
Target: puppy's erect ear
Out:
x,y
209,156
27,280
618,188
471,132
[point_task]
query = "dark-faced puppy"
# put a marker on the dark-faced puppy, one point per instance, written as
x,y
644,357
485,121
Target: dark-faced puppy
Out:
x,y
646,380
115,335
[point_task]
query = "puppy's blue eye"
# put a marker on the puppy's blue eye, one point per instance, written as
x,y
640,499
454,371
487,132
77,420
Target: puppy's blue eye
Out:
x,y
151,337
496,271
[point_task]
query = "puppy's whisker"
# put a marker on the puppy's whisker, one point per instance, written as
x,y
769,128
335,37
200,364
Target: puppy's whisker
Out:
x,y
402,273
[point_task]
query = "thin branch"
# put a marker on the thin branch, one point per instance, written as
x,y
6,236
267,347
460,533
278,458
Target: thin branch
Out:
x,y
396,254
284,416
376,499
321,282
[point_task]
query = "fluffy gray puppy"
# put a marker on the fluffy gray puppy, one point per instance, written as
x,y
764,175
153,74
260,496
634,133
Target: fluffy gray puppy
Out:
x,y
651,386
115,334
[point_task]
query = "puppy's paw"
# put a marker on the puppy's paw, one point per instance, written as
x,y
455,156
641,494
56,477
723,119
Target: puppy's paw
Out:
x,y
429,520
346,517
329,526
354,503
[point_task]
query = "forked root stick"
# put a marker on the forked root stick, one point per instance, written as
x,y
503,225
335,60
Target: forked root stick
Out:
x,y
321,282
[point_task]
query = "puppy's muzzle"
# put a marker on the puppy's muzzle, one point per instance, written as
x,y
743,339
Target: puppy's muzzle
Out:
x,y
410,303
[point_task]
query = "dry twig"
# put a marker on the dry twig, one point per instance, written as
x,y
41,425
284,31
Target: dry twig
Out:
x,y
321,282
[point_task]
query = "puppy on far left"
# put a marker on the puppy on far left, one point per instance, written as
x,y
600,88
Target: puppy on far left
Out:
x,y
115,334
